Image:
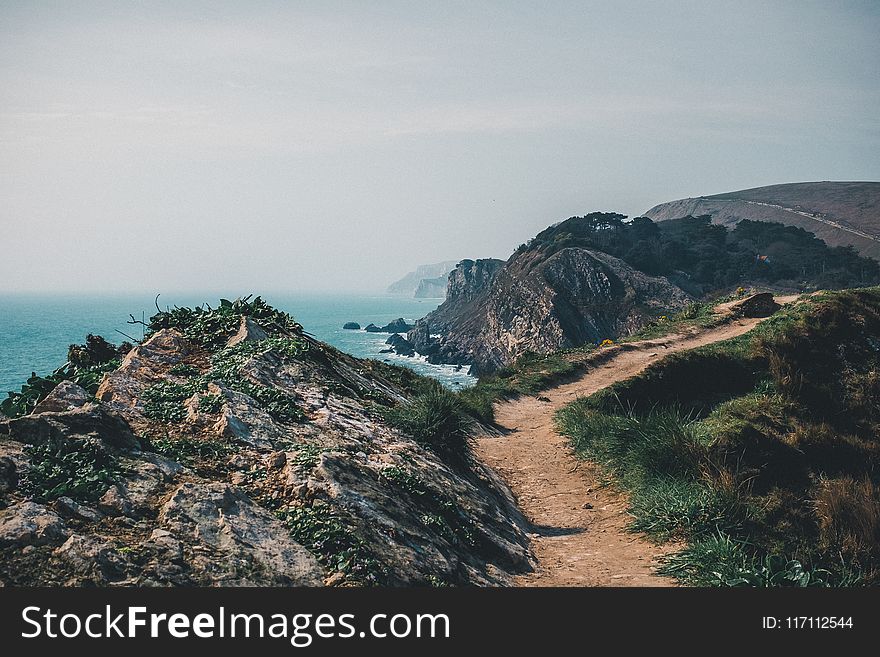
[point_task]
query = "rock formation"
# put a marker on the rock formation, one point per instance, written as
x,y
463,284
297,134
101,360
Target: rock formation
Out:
x,y
411,284
495,311
267,462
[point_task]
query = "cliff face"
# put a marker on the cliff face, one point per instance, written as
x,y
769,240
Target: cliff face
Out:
x,y
410,284
264,460
493,314
431,288
839,213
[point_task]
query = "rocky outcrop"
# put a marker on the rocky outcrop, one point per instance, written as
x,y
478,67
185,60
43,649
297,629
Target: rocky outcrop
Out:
x,y
398,325
230,540
431,288
265,463
352,326
540,303
248,331
757,305
401,345
410,284
65,397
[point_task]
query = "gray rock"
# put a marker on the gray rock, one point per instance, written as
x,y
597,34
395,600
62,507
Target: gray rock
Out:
x,y
246,544
399,325
29,523
93,557
65,397
241,419
142,367
352,326
757,305
248,331
8,475
115,502
92,421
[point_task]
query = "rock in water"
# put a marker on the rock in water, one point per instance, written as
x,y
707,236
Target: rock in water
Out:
x,y
399,325
352,326
372,328
401,345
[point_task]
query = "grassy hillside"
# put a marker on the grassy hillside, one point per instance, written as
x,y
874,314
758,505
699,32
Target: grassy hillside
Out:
x,y
703,258
760,452
839,213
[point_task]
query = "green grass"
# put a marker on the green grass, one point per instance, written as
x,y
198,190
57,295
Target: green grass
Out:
x,y
760,452
436,420
722,561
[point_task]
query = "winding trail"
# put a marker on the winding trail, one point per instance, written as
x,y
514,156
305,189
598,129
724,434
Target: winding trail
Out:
x,y
578,531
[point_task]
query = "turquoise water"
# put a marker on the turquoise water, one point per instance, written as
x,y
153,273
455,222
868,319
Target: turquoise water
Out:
x,y
35,330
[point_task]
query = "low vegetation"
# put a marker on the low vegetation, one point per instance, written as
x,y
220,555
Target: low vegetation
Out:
x,y
81,469
760,452
699,256
437,420
86,364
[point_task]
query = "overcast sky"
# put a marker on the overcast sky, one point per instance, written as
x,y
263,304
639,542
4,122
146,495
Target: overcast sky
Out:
x,y
251,146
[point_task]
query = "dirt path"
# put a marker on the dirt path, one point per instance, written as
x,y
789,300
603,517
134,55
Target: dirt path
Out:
x,y
579,528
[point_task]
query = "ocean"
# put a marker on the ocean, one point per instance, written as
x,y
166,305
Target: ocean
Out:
x,y
35,330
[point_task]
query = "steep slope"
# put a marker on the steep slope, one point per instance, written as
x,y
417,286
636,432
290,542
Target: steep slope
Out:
x,y
232,449
839,213
540,302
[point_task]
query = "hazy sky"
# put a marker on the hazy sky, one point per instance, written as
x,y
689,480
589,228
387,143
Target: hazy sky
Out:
x,y
259,147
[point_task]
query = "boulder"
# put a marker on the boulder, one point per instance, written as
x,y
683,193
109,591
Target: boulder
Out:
x,y
69,508
757,305
29,523
66,396
372,328
248,543
89,422
352,326
248,331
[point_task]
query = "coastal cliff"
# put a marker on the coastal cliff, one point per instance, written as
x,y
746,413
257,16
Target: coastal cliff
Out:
x,y
601,277
230,448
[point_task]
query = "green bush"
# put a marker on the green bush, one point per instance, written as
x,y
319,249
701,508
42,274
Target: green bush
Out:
x,y
436,420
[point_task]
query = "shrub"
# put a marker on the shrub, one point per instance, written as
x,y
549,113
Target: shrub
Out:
x,y
186,450
435,419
